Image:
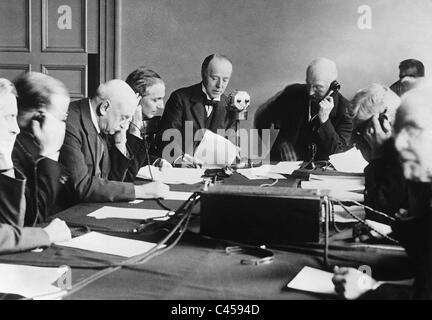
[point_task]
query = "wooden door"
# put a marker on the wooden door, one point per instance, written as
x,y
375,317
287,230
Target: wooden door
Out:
x,y
55,37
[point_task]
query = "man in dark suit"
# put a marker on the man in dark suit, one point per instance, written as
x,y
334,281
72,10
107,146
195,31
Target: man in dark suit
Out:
x,y
98,152
409,71
310,122
201,106
13,235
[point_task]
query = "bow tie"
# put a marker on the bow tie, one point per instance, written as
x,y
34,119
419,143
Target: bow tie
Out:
x,y
212,103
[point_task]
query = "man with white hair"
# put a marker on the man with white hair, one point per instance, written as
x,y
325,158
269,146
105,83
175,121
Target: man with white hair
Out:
x,y
96,151
373,110
311,122
413,141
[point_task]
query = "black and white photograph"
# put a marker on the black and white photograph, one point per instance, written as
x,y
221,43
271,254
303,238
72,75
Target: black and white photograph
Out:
x,y
209,157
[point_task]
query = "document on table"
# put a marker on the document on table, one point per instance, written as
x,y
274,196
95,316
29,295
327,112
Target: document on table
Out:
x,y
98,242
346,183
269,171
343,195
319,281
128,213
349,161
215,149
29,281
313,280
177,195
172,175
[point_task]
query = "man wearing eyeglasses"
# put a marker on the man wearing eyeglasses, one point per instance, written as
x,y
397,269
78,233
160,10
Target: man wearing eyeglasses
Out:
x,y
311,117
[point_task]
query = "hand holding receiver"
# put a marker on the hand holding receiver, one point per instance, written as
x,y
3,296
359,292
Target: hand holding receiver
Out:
x,y
326,106
377,131
58,231
152,190
136,124
50,133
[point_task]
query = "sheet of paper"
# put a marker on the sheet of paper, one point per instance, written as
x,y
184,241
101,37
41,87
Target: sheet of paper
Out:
x,y
136,201
172,175
333,183
215,149
313,280
177,195
29,281
127,213
98,242
349,161
270,171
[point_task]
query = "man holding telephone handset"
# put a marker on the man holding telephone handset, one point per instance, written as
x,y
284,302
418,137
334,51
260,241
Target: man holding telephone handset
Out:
x,y
311,117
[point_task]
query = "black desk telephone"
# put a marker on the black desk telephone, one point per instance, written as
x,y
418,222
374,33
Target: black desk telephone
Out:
x,y
334,87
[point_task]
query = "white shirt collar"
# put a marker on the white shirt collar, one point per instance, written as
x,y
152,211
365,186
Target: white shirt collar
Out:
x,y
94,118
205,92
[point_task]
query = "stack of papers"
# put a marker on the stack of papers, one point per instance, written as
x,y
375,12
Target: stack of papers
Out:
x,y
172,175
269,171
98,242
345,183
29,281
128,213
349,161
215,149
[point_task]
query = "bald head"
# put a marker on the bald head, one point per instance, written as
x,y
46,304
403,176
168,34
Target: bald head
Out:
x,y
115,103
320,73
413,134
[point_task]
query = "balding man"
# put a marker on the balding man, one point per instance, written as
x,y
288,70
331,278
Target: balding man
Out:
x,y
309,121
96,151
201,106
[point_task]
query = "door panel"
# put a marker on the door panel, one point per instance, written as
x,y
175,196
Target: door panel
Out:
x,y
49,36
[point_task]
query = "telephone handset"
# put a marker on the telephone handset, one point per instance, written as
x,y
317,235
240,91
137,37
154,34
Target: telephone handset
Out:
x,y
334,87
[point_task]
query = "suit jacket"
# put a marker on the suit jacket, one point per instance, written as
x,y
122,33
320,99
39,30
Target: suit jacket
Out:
x,y
290,112
80,155
45,179
13,236
188,104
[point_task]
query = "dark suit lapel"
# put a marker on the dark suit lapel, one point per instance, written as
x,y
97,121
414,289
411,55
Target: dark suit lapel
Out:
x,y
197,107
218,116
90,130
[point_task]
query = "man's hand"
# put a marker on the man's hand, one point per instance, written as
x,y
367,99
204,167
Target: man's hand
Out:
x,y
120,140
152,190
50,133
376,134
351,283
326,106
162,164
58,231
187,161
136,124
287,151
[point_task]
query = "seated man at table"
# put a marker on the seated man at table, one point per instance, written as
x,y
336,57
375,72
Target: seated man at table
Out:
x,y
311,122
95,149
409,71
42,111
373,110
13,236
413,141
150,88
201,106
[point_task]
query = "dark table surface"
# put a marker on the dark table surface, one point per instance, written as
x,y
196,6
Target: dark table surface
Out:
x,y
198,267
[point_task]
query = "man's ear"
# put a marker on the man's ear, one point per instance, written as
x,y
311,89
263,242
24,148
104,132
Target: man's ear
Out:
x,y
102,108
